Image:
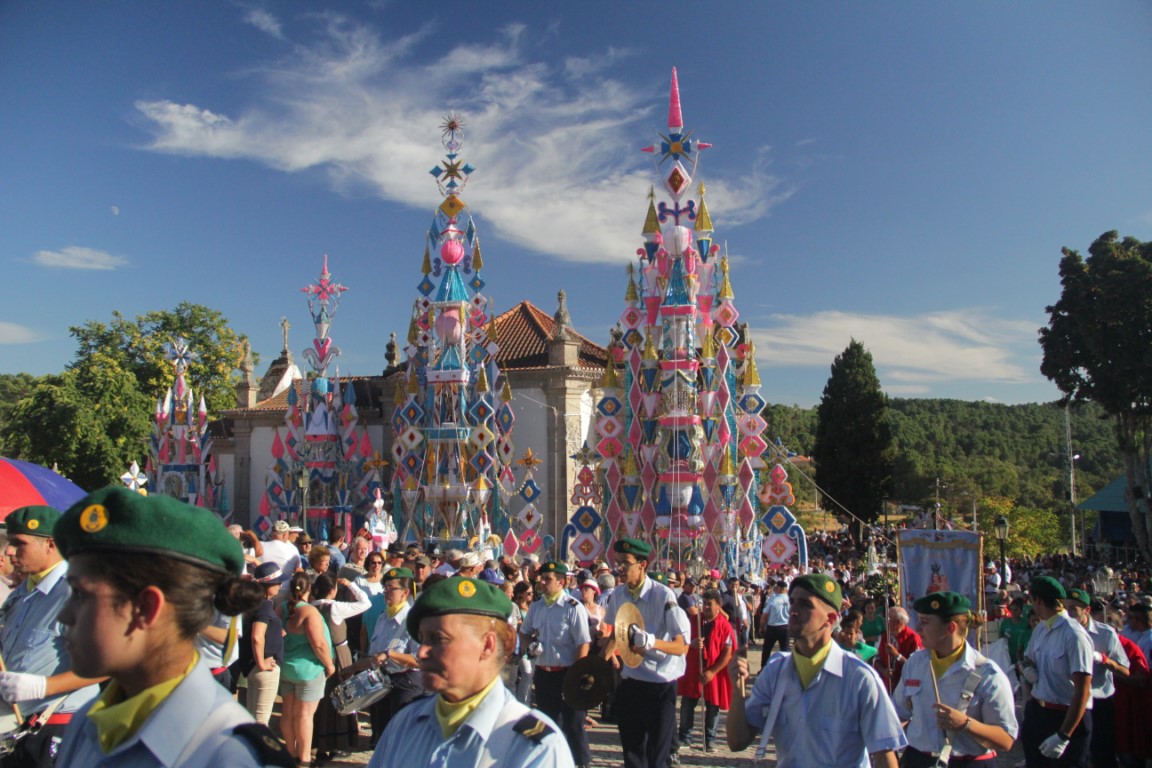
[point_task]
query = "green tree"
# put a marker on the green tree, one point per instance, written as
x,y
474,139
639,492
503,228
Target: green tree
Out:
x,y
139,344
1096,347
853,449
92,421
14,387
1031,531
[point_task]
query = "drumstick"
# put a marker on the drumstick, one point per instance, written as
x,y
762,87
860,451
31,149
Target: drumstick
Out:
x,y
15,709
935,686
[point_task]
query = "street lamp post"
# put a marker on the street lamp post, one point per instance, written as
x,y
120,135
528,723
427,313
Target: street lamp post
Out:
x,y
1001,528
302,485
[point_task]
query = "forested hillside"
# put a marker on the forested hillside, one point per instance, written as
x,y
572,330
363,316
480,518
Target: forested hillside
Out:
x,y
979,449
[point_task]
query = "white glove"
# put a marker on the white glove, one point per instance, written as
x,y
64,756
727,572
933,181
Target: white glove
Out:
x,y
1053,746
1030,674
640,639
17,686
1098,657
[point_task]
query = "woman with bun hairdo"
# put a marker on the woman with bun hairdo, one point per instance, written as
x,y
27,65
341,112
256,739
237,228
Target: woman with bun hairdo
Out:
x,y
147,574
307,664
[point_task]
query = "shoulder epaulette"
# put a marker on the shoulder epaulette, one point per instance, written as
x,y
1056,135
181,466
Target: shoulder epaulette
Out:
x,y
532,727
268,748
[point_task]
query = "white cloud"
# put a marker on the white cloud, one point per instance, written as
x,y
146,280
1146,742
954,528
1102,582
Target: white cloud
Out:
x,y
11,333
265,22
76,257
911,354
558,169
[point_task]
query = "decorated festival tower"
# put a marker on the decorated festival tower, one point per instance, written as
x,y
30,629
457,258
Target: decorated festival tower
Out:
x,y
323,472
678,429
453,421
180,461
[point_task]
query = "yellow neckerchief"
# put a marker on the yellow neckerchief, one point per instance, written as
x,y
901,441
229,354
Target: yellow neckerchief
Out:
x,y
636,592
35,579
452,715
1051,620
808,666
942,665
551,601
395,609
117,719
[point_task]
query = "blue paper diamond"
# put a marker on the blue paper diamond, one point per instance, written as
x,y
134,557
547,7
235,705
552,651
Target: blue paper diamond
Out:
x,y
530,492
477,283
426,286
586,519
609,406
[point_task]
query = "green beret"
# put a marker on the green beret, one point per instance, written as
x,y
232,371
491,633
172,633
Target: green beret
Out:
x,y
660,578
640,549
115,519
397,573
458,594
32,521
560,569
1047,588
824,587
1080,596
942,604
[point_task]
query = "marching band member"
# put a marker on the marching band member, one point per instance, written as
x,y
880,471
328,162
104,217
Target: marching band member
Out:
x,y
951,694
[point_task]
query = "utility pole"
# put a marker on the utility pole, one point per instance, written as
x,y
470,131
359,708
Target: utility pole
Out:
x,y
1070,463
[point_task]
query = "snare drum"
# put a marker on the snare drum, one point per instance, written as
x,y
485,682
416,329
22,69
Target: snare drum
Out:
x,y
360,691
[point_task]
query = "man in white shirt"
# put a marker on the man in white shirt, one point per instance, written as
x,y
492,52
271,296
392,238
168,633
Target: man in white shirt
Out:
x,y
278,550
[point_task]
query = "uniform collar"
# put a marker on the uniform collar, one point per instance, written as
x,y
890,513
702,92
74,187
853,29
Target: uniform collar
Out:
x,y
158,733
51,579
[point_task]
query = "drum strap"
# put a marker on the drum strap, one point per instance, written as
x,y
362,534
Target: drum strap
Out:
x,y
500,740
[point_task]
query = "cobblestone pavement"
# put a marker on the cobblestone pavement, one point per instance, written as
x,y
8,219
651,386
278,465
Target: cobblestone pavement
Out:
x,y
605,744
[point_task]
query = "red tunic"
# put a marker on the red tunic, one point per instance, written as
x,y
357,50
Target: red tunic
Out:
x,y
907,643
1132,706
718,635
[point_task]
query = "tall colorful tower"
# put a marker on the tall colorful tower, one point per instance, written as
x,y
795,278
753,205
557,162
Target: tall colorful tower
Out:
x,y
180,461
678,426
453,420
321,472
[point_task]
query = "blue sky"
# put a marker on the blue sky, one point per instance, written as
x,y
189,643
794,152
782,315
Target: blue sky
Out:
x,y
902,173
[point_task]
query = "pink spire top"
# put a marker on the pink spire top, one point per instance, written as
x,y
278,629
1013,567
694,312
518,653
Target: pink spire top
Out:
x,y
675,119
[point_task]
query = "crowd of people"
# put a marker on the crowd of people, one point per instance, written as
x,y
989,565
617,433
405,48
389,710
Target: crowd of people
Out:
x,y
133,622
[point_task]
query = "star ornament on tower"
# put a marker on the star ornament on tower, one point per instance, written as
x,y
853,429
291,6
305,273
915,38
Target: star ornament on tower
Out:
x,y
325,289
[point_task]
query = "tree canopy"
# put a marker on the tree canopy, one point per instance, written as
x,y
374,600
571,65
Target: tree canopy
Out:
x,y
853,445
94,419
1098,347
139,347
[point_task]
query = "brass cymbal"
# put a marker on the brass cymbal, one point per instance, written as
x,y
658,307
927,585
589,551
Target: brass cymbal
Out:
x,y
588,681
626,616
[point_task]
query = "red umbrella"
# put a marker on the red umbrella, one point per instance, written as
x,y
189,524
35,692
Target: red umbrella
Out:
x,y
22,484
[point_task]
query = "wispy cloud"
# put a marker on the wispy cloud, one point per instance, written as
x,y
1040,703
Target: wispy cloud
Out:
x,y
912,354
76,257
554,146
265,22
11,333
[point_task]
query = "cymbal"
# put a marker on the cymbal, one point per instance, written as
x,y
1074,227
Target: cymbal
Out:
x,y
588,681
627,615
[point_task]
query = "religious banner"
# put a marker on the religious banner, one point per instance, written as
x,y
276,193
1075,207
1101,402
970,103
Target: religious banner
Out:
x,y
939,561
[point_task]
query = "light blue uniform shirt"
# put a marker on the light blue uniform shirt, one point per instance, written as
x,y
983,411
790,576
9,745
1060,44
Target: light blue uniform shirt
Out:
x,y
192,728
413,739
1104,640
663,618
391,634
838,720
32,640
776,610
992,702
1059,652
563,626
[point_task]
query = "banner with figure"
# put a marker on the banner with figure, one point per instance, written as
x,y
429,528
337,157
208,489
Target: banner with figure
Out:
x,y
939,561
